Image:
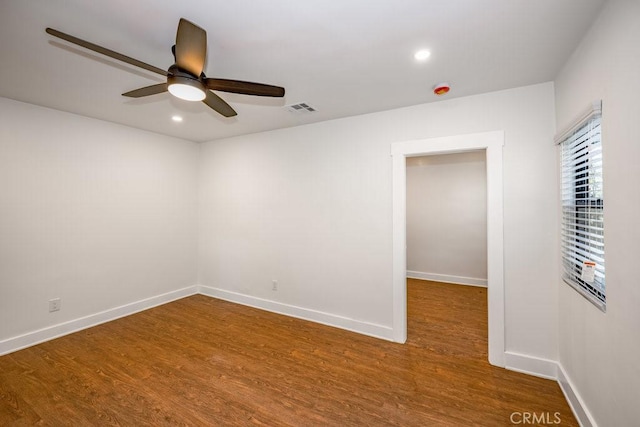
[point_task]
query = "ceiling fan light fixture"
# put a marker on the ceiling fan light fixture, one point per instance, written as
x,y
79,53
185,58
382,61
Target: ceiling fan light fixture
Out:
x,y
186,88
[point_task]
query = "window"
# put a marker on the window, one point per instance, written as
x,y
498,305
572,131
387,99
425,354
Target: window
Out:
x,y
582,236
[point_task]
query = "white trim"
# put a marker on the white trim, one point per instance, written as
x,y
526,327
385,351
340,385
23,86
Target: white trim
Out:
x,y
492,143
399,272
552,370
447,278
51,332
531,365
576,403
328,319
594,109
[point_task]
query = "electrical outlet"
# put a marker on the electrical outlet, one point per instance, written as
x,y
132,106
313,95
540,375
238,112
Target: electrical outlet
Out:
x,y
54,304
274,285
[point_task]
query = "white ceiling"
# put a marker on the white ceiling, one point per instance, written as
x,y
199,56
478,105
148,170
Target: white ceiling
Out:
x,y
344,57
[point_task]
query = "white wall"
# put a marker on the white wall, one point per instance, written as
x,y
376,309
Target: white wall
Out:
x,y
311,207
101,215
94,213
447,217
598,351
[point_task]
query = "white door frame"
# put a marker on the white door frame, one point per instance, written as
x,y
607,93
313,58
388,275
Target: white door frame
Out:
x,y
492,143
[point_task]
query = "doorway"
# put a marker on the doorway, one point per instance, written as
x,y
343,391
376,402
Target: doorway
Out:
x,y
447,218
491,143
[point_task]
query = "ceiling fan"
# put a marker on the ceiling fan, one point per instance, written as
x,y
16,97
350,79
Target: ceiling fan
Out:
x,y
185,78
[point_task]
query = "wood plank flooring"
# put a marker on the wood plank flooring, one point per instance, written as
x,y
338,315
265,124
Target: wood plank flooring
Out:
x,y
202,361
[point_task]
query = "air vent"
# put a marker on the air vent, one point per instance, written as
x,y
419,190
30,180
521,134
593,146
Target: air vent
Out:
x,y
301,108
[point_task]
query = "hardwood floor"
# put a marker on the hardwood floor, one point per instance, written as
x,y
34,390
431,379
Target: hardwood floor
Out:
x,y
202,361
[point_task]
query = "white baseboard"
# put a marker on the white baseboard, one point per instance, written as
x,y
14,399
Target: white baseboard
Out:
x,y
536,366
446,278
51,332
553,370
576,403
365,328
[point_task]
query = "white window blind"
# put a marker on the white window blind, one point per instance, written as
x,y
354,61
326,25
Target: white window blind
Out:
x,y
582,237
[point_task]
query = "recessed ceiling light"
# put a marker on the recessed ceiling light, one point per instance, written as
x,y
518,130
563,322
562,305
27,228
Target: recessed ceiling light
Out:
x,y
422,55
176,119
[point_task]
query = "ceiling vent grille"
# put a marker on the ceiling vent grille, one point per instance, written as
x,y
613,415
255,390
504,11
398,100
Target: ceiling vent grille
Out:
x,y
301,108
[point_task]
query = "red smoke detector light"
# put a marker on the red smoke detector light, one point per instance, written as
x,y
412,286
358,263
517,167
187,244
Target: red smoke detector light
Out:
x,y
441,89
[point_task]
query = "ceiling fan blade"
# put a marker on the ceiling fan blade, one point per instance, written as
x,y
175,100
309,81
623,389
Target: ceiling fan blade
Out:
x,y
191,47
218,104
146,91
245,88
105,51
